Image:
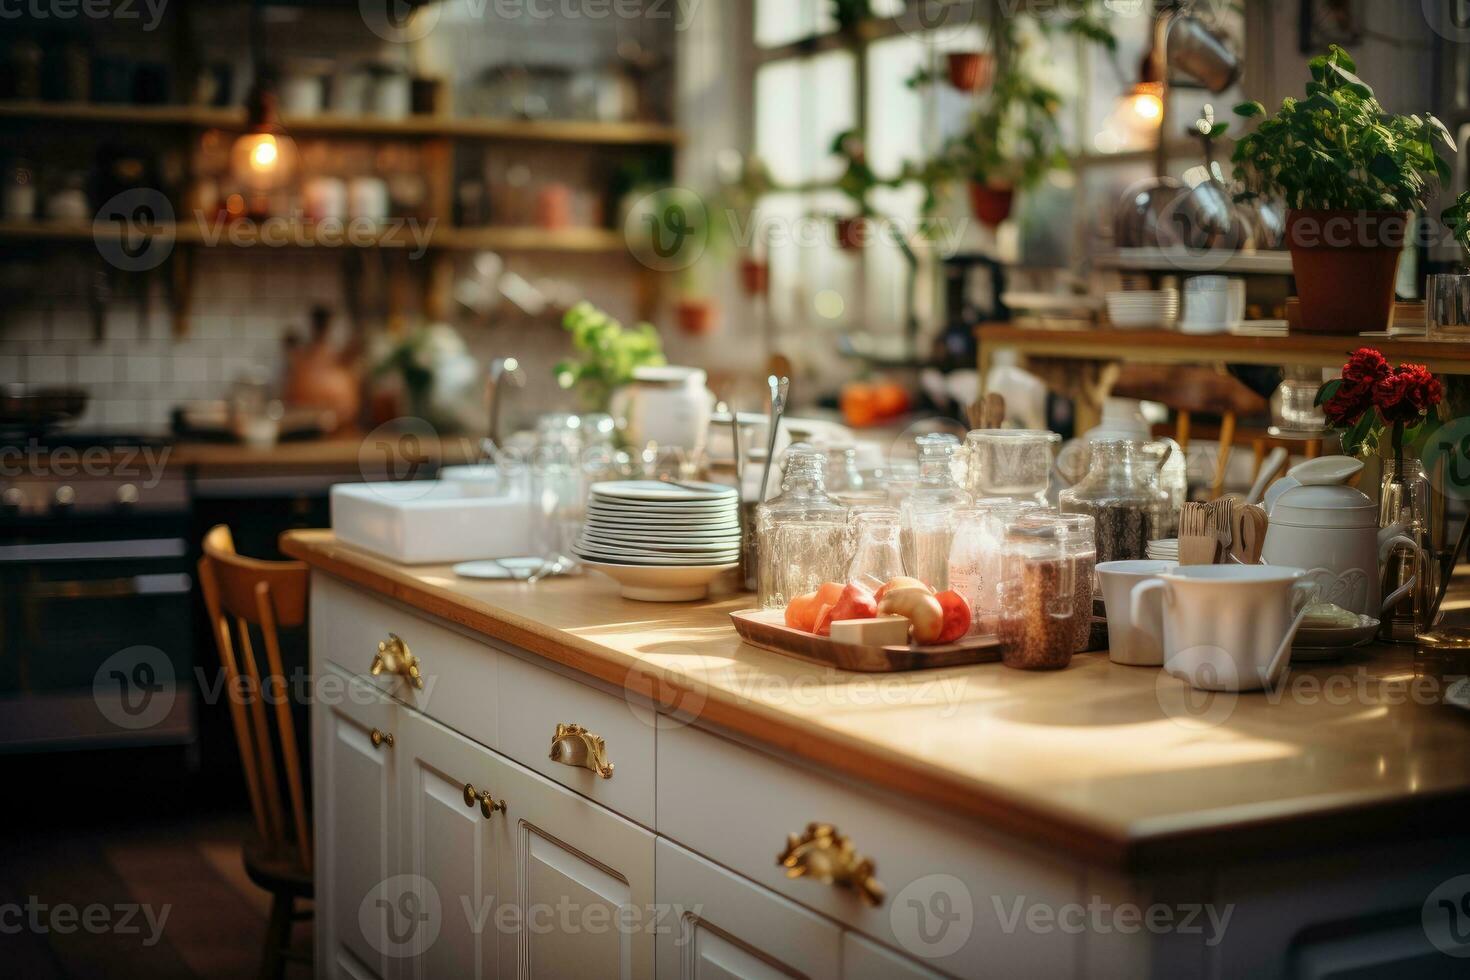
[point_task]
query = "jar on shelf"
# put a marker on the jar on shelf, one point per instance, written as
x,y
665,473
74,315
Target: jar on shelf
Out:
x,y
800,533
1038,594
1120,494
930,508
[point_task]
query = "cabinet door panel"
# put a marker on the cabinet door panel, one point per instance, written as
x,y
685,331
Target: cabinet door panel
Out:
x,y
356,818
582,881
723,925
863,959
451,845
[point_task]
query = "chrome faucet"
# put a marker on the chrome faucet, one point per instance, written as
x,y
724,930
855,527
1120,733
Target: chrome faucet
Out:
x,y
502,369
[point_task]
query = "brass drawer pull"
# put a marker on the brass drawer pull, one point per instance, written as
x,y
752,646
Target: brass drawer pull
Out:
x,y
575,746
822,853
380,738
488,804
393,657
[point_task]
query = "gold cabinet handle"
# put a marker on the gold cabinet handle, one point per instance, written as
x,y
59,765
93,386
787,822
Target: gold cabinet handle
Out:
x,y
380,738
575,746
827,856
488,804
394,657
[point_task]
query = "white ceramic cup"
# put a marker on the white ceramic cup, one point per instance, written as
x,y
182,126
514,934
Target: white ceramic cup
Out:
x,y
1137,644
1226,627
1206,305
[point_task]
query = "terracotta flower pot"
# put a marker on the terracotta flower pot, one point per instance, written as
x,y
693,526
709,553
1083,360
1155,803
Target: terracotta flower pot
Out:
x,y
1345,262
991,205
852,233
755,276
970,71
697,316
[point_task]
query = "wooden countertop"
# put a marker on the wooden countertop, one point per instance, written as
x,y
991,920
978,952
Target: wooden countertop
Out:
x,y
1120,766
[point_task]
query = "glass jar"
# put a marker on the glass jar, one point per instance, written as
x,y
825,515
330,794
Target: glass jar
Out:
x,y
1081,542
1405,499
877,557
930,509
1010,462
1038,594
843,475
800,533
1119,493
1171,485
974,557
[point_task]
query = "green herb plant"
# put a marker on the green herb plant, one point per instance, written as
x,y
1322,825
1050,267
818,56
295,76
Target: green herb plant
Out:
x,y
609,352
1338,149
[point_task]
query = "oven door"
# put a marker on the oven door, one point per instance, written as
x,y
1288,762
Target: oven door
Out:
x,y
95,640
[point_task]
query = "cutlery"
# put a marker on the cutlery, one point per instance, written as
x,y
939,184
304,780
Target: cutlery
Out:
x,y
1250,534
1197,543
1221,511
778,408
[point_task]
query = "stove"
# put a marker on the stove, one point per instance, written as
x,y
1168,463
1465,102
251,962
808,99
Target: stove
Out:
x,y
96,632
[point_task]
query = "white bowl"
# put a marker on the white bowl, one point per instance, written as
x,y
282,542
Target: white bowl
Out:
x,y
661,583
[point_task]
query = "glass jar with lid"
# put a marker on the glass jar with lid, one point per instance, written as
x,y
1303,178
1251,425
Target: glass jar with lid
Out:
x,y
1120,494
1038,593
1010,462
1081,540
974,556
800,533
930,508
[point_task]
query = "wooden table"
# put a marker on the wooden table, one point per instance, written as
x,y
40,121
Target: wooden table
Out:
x,y
1121,766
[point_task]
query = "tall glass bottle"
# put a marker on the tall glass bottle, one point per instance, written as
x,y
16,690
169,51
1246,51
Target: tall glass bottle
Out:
x,y
931,509
800,533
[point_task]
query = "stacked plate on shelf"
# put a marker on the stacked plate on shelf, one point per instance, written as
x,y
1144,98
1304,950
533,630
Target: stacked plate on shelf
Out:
x,y
1139,308
1163,549
661,541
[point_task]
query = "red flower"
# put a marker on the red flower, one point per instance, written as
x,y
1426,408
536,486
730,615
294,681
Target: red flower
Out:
x,y
1407,393
1348,403
1365,366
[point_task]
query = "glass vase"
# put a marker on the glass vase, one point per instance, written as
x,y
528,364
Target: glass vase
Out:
x,y
1405,499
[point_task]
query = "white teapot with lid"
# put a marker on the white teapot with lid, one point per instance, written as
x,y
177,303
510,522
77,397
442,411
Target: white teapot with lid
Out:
x,y
1331,529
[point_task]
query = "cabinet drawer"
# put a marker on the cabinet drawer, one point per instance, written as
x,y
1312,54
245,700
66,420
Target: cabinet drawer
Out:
x,y
460,674
717,923
535,700
951,894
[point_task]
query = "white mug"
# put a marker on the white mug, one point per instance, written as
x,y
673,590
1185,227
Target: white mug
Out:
x,y
1226,627
1138,643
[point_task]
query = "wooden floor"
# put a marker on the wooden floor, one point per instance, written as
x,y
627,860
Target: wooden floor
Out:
x,y
121,848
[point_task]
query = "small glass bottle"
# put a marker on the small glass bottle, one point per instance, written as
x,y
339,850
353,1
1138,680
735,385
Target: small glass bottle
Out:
x,y
930,509
800,533
1120,494
877,557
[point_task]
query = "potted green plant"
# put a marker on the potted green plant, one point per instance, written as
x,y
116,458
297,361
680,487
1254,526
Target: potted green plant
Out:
x,y
609,353
856,183
1011,145
1351,175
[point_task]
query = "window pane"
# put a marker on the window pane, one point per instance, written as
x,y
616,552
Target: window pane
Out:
x,y
780,22
801,106
778,88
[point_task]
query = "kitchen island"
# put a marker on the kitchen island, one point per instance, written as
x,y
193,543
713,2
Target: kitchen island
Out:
x,y
1009,820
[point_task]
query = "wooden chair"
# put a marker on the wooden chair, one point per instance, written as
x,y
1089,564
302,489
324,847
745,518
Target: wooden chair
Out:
x,y
265,595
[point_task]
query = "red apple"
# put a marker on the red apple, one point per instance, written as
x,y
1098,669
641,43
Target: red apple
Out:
x,y
856,602
957,616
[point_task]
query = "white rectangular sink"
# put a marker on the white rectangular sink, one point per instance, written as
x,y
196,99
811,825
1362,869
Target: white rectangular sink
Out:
x,y
427,521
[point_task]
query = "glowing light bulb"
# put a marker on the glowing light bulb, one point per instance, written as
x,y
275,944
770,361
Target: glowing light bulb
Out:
x,y
266,154
1147,106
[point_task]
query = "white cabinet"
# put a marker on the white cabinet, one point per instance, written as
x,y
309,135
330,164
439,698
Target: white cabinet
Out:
x,y
454,843
717,925
863,959
356,819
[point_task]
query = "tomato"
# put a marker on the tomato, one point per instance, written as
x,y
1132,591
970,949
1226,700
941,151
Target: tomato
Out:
x,y
856,602
801,612
957,616
859,405
890,399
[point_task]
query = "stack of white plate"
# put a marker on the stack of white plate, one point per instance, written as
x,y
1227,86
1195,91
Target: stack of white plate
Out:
x,y
1164,549
661,541
1143,307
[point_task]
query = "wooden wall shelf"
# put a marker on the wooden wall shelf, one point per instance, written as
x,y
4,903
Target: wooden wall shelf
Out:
x,y
508,239
419,127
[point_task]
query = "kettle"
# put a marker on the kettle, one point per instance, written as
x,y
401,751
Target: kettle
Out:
x,y
1331,529
321,376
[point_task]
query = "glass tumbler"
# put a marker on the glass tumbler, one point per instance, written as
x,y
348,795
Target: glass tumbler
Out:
x,y
1010,462
1447,305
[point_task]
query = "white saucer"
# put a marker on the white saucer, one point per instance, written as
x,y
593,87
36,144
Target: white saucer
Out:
x,y
1323,643
656,490
1458,693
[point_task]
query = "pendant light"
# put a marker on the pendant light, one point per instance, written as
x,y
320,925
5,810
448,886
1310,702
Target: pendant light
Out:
x,y
263,159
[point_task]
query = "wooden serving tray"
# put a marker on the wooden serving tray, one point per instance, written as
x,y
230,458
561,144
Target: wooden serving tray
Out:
x,y
767,629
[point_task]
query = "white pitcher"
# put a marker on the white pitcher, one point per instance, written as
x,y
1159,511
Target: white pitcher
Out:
x,y
1333,528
